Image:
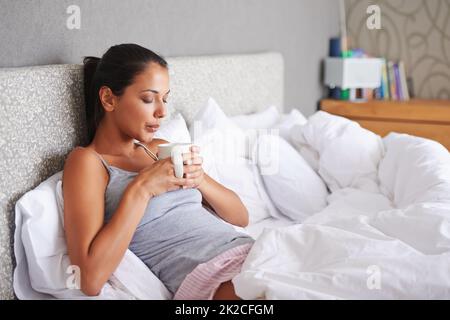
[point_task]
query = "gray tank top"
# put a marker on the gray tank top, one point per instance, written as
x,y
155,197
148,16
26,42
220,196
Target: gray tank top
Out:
x,y
176,233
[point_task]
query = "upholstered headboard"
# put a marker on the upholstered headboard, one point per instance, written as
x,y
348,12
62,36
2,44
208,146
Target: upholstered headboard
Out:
x,y
42,118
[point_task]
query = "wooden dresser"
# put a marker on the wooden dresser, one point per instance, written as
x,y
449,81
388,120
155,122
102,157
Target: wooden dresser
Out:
x,y
424,118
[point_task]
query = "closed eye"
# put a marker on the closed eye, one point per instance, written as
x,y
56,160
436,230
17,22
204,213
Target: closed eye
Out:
x,y
151,101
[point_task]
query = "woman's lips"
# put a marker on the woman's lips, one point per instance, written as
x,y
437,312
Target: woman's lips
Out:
x,y
152,128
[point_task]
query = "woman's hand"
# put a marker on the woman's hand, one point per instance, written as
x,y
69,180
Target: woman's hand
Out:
x,y
192,169
158,178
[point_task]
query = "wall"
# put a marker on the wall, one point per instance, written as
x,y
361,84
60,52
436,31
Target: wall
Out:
x,y
35,33
415,31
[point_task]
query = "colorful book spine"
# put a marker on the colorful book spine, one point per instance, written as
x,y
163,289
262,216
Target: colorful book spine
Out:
x,y
385,81
398,85
403,81
378,93
391,79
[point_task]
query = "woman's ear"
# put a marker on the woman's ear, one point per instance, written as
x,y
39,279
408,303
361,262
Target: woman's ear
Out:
x,y
107,98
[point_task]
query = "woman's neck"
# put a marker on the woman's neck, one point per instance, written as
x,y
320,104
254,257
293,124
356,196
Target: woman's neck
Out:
x,y
109,140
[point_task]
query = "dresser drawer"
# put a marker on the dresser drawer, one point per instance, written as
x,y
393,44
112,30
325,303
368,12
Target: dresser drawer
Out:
x,y
440,133
424,118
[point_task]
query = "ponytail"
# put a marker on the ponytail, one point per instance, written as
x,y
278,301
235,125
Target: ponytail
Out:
x,y
94,111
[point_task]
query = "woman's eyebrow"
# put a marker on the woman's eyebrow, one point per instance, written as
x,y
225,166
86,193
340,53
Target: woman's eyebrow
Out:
x,y
154,91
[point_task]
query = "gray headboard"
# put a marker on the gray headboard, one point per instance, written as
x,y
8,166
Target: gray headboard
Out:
x,y
42,118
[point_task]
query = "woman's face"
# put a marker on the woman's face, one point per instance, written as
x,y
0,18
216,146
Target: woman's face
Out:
x,y
142,105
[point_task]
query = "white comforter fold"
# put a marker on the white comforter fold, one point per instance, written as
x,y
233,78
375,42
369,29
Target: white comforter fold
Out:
x,y
385,233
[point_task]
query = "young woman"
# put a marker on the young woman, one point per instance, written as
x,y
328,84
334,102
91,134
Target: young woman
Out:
x,y
118,195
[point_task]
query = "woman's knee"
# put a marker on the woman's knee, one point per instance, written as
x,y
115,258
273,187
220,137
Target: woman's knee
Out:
x,y
226,292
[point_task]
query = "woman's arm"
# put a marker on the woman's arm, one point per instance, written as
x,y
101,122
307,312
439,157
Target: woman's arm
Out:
x,y
95,248
224,201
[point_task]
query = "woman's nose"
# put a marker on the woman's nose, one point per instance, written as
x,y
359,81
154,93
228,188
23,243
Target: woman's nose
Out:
x,y
160,111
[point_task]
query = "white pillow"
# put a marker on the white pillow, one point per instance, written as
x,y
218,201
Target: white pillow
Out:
x,y
287,122
212,122
42,259
296,189
270,121
414,170
258,120
348,154
174,130
257,123
221,145
299,142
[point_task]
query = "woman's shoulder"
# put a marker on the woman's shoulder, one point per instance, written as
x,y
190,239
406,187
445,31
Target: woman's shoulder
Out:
x,y
83,158
82,169
83,154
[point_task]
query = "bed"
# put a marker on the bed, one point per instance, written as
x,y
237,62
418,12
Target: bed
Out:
x,y
42,119
353,215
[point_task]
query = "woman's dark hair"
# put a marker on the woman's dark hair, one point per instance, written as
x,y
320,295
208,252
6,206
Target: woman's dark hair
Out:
x,y
116,70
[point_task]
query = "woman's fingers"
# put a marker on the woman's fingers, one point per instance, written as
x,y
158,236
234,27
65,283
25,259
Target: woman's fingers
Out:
x,y
180,182
184,183
187,158
174,187
195,149
197,160
192,169
192,176
192,158
188,169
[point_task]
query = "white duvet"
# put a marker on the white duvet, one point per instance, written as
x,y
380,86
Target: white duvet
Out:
x,y
385,233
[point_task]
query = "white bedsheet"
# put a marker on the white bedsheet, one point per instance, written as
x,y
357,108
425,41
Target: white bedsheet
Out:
x,y
256,229
384,235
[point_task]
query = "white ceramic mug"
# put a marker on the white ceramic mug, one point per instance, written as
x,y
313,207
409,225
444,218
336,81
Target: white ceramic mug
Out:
x,y
175,151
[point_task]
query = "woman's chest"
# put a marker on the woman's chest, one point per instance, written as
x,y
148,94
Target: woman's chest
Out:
x,y
182,199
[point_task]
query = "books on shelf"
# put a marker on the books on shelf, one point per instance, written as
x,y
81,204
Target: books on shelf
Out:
x,y
394,84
